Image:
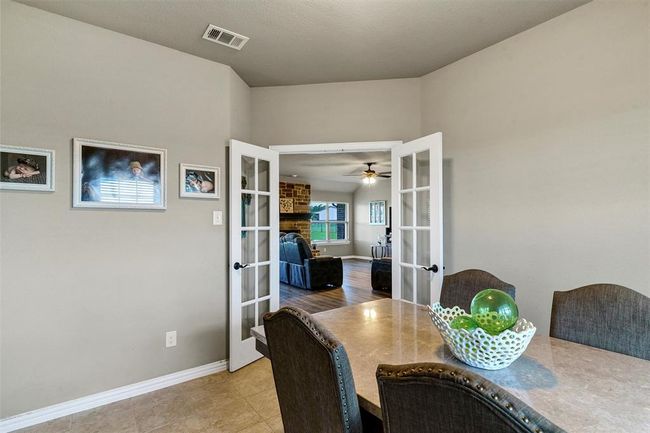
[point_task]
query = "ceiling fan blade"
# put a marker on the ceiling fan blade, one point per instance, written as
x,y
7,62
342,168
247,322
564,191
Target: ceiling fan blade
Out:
x,y
387,176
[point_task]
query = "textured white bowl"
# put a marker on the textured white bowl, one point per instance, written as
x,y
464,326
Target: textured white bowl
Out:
x,y
478,348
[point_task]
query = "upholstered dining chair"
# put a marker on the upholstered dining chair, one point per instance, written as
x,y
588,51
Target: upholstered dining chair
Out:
x,y
312,373
461,287
439,398
606,316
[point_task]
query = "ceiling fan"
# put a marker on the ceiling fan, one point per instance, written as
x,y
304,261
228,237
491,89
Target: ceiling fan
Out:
x,y
370,176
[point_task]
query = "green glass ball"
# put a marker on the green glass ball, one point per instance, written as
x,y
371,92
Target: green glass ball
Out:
x,y
464,322
494,310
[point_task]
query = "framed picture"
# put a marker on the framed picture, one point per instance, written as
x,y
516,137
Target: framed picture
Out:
x,y
26,168
286,205
200,181
116,175
377,212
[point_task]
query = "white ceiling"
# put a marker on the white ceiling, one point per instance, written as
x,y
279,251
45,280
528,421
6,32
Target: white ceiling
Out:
x,y
318,41
328,172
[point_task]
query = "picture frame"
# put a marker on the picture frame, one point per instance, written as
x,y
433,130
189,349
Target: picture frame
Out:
x,y
286,205
377,212
113,175
26,168
199,181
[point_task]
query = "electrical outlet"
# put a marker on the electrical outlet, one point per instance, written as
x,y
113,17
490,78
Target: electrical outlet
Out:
x,y
170,339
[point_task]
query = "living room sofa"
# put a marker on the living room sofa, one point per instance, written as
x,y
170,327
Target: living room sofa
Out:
x,y
299,268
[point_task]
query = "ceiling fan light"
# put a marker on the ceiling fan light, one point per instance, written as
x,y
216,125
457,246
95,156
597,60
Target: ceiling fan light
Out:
x,y
372,180
366,180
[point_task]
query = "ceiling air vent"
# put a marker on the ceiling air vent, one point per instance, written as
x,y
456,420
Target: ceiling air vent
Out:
x,y
225,37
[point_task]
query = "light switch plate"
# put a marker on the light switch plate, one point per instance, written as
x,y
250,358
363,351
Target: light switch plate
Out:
x,y
217,218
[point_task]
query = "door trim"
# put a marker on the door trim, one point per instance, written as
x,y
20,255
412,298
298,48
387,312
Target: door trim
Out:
x,y
348,147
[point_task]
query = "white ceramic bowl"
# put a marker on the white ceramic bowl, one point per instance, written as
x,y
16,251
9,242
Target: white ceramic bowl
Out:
x,y
478,348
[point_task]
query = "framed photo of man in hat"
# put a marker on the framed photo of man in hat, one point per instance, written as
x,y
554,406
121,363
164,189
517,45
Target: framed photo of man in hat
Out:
x,y
117,175
200,181
26,168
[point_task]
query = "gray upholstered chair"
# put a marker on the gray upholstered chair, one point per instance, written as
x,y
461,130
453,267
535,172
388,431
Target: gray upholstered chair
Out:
x,y
312,373
606,316
461,287
439,398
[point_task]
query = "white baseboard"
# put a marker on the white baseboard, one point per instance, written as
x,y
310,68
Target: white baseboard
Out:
x,y
48,413
357,258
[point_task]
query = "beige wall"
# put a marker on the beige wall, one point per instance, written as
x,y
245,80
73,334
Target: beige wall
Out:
x,y
343,197
336,112
365,234
545,140
87,295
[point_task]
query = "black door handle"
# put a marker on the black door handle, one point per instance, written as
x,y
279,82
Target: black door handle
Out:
x,y
433,268
239,266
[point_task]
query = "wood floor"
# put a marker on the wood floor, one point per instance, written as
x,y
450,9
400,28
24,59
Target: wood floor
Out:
x,y
356,289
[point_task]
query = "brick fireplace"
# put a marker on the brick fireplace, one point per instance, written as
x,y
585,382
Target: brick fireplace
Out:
x,y
298,220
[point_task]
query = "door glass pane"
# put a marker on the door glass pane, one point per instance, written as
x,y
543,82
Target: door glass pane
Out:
x,y
424,247
247,247
247,173
407,283
262,309
247,283
407,172
263,281
407,246
263,247
407,208
423,210
422,168
247,320
247,210
263,210
262,175
424,287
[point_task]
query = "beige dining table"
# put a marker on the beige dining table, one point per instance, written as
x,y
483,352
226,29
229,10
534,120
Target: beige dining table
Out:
x,y
577,387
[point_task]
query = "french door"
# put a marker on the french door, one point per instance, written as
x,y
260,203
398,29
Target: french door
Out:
x,y
254,245
417,219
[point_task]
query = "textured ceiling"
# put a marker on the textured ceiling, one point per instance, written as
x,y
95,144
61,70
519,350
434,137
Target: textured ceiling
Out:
x,y
318,41
328,172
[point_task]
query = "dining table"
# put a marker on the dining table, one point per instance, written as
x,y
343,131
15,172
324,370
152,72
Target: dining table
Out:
x,y
577,387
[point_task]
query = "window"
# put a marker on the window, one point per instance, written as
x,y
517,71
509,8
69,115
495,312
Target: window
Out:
x,y
329,222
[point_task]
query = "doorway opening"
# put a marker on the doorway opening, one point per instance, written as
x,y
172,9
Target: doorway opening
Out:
x,y
335,206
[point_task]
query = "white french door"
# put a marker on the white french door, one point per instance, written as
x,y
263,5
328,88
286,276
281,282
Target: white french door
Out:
x,y
254,245
417,265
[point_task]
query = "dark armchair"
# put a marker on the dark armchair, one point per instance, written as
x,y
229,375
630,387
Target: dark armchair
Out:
x,y
606,316
439,398
303,269
461,287
312,373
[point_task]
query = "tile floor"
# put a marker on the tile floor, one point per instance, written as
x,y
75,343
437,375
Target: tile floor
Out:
x,y
240,402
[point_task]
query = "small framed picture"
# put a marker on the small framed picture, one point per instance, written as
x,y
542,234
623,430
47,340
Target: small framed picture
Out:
x,y
116,175
200,181
286,205
26,168
377,213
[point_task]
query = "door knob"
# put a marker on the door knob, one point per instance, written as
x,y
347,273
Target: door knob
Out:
x,y
433,268
239,266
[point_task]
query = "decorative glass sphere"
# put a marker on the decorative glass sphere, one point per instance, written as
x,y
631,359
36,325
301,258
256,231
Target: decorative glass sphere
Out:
x,y
464,322
494,310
